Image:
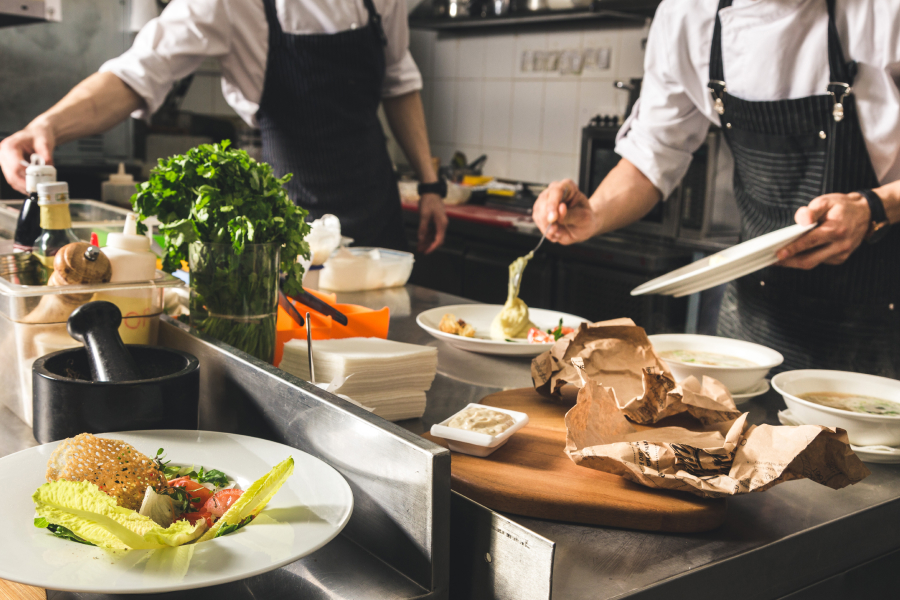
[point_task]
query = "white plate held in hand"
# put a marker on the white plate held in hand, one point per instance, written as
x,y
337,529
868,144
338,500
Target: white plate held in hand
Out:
x,y
480,317
727,265
309,510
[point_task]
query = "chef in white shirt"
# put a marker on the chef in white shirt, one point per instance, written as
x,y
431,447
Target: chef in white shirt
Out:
x,y
309,73
806,93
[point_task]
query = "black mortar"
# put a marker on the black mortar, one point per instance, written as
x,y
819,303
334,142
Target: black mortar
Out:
x,y
67,400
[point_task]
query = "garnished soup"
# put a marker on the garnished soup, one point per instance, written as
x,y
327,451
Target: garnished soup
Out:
x,y
853,403
713,359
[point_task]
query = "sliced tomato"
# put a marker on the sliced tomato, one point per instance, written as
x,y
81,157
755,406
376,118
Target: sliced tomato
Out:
x,y
198,492
196,516
536,336
221,501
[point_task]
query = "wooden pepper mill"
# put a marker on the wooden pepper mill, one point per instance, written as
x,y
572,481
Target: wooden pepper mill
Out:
x,y
74,264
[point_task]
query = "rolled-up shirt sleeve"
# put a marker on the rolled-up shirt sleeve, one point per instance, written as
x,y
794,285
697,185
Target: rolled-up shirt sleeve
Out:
x,y
401,73
665,127
171,47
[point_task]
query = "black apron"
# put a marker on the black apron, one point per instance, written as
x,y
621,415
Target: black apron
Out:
x,y
318,118
787,152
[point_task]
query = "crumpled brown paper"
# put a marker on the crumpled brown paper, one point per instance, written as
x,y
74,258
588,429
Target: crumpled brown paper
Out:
x,y
618,354
726,458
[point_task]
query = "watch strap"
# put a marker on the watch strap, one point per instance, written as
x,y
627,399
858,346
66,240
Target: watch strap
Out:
x,y
439,187
879,221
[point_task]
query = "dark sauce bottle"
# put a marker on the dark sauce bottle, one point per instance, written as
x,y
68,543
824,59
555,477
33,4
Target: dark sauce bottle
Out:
x,y
28,227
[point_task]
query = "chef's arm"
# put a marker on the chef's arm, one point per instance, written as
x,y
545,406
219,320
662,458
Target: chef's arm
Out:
x,y
93,106
406,118
567,216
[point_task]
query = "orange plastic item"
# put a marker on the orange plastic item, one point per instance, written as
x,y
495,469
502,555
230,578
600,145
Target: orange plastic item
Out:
x,y
361,322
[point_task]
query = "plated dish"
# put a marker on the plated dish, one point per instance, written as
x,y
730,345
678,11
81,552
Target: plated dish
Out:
x,y
481,316
310,509
888,455
722,267
740,366
804,390
479,430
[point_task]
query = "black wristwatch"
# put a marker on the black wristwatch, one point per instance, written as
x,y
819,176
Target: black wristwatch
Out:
x,y
439,187
880,224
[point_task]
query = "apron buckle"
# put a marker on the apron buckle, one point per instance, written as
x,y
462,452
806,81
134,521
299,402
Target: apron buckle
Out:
x,y
717,89
845,90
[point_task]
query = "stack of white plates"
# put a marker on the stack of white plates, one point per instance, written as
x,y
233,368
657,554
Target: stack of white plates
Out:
x,y
386,376
724,266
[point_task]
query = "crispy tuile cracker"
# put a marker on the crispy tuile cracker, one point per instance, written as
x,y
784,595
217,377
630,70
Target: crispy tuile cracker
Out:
x,y
115,467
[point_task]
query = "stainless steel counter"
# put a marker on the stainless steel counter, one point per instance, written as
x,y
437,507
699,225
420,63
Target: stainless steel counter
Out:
x,y
797,540
772,544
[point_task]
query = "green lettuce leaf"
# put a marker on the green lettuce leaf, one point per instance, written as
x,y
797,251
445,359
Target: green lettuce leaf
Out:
x,y
254,499
93,516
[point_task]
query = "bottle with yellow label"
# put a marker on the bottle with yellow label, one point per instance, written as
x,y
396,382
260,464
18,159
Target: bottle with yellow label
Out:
x,y
56,225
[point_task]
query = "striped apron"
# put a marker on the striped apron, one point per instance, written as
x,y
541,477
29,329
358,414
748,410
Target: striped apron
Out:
x,y
787,152
318,118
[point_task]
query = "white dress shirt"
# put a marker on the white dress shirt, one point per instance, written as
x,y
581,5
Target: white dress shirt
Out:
x,y
236,32
771,50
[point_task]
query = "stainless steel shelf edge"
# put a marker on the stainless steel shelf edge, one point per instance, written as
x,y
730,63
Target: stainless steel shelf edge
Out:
x,y
400,481
493,557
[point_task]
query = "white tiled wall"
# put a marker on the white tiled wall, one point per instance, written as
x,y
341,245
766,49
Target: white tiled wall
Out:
x,y
478,100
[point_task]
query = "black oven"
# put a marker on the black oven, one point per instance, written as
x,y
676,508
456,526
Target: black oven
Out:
x,y
691,211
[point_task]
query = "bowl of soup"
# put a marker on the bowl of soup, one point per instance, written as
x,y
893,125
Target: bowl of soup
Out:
x,y
866,406
740,366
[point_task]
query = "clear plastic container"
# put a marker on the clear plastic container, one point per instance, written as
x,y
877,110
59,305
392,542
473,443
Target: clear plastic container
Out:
x,y
87,216
33,323
360,269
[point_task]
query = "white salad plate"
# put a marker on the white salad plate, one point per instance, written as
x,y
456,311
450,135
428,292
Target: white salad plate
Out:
x,y
309,510
863,429
722,267
887,455
480,317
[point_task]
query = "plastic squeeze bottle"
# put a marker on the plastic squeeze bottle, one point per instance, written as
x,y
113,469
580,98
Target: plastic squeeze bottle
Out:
x,y
28,227
119,188
131,260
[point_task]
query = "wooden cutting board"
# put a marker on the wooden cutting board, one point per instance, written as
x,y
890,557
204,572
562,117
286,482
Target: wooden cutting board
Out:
x,y
531,475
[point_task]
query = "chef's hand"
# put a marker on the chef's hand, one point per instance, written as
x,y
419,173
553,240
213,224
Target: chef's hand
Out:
x,y
36,138
432,223
563,213
843,223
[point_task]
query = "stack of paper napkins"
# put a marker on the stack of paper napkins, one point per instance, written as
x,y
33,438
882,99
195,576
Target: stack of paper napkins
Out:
x,y
388,377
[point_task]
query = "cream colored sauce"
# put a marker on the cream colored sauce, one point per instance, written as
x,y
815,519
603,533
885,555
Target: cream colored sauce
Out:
x,y
853,403
513,321
482,420
706,358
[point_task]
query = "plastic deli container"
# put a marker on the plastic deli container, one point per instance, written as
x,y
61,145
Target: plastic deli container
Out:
x,y
33,323
88,216
360,269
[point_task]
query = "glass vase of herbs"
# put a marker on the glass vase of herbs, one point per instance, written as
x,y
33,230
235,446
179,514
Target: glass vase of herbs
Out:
x,y
230,218
234,297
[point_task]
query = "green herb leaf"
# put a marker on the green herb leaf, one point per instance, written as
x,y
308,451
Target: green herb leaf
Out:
x,y
226,529
60,531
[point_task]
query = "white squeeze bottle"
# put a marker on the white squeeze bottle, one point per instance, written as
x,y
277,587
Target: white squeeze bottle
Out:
x,y
131,260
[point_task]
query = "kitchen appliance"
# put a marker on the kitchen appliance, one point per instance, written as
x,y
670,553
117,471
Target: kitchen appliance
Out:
x,y
107,386
701,207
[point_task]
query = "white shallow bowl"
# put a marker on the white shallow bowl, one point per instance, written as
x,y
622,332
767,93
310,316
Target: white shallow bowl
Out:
x,y
307,512
477,444
738,380
863,429
480,317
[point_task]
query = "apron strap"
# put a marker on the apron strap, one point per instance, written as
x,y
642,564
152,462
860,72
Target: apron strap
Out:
x,y
375,21
841,71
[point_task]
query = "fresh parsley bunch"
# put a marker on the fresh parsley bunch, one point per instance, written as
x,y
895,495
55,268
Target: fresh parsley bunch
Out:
x,y
216,194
